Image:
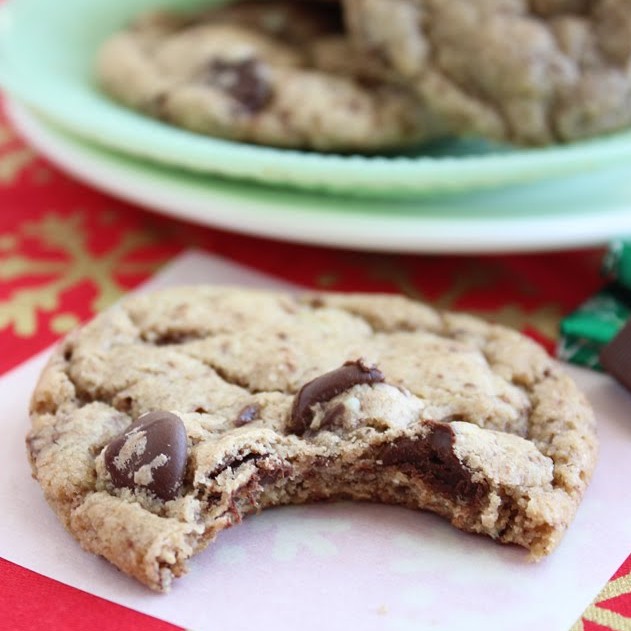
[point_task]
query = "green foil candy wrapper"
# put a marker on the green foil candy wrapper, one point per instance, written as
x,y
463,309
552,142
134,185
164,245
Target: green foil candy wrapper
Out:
x,y
617,263
595,323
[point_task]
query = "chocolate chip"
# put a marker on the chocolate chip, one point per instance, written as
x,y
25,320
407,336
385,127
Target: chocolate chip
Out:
x,y
327,386
248,414
157,105
615,358
442,439
150,454
333,415
244,81
434,461
235,462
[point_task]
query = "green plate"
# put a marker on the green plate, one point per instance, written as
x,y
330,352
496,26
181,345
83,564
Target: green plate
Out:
x,y
46,60
585,210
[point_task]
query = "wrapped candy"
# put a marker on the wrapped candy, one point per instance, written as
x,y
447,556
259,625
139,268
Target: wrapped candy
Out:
x,y
617,263
588,329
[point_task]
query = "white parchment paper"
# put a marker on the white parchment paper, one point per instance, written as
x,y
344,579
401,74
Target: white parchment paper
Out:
x,y
343,566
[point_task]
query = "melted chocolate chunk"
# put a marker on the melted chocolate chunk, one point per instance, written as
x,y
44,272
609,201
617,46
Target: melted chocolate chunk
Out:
x,y
327,386
333,415
434,460
248,414
151,454
615,358
244,81
235,462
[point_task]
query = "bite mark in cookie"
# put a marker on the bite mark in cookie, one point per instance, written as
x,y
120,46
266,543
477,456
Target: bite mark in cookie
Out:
x,y
270,405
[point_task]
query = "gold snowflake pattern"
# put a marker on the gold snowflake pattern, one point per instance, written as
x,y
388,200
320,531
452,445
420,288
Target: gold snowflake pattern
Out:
x,y
14,156
66,234
605,617
545,318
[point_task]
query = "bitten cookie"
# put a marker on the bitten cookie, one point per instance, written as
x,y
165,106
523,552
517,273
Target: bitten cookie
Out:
x,y
172,415
532,72
248,72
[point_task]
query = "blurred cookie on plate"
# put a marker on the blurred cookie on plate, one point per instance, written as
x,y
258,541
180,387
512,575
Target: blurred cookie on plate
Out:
x,y
529,72
248,72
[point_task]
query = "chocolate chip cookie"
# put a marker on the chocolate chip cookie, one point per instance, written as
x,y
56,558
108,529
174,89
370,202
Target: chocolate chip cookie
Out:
x,y
247,72
173,415
532,72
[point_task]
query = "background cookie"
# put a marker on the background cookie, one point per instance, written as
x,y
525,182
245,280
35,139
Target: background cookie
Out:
x,y
532,73
260,399
246,72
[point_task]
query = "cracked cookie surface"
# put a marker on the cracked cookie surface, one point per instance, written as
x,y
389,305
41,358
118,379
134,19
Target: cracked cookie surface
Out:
x,y
256,72
174,414
530,72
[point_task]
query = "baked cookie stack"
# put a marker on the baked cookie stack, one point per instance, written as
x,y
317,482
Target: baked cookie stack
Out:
x,y
371,76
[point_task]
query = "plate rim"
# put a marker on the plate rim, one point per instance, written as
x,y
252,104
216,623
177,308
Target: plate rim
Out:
x,y
381,232
358,175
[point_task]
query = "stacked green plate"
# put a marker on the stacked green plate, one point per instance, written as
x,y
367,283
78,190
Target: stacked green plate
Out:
x,y
47,52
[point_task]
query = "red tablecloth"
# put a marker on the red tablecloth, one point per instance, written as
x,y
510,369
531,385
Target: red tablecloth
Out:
x,y
67,251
